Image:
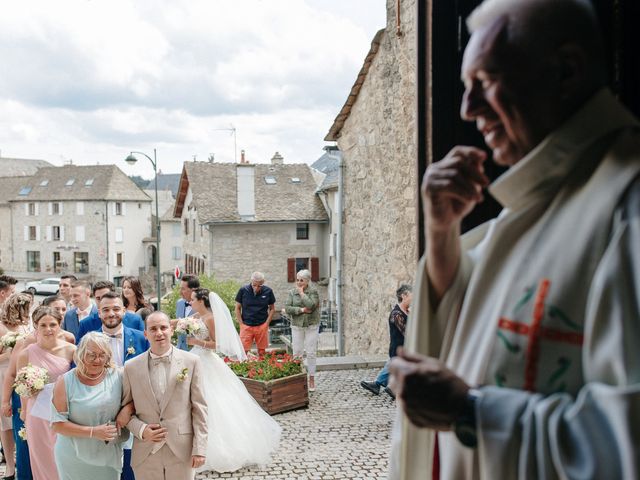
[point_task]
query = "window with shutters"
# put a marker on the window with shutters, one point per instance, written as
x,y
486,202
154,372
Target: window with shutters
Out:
x,y
176,253
56,208
55,233
79,233
31,209
294,265
33,234
186,226
119,259
118,208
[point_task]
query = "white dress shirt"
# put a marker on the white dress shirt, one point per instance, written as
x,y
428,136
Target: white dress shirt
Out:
x,y
116,339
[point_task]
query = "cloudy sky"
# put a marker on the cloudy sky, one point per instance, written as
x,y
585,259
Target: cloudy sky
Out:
x,y
90,80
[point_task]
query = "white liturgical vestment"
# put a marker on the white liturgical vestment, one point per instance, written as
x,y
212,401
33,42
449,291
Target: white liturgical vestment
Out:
x,y
544,315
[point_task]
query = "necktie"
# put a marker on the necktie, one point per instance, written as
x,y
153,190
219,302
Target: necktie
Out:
x,y
187,304
158,361
115,335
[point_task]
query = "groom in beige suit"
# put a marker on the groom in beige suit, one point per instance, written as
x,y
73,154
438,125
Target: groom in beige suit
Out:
x,y
170,423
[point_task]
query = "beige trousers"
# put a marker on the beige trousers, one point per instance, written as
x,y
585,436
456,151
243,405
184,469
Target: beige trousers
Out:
x,y
163,465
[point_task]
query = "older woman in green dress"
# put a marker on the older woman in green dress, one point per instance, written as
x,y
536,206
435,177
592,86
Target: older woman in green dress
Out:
x,y
86,401
303,307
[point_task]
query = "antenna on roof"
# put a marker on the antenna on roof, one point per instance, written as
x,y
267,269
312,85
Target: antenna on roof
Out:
x,y
231,129
212,157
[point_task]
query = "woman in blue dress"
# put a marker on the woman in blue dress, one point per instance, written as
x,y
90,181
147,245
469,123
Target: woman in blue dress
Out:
x,y
86,401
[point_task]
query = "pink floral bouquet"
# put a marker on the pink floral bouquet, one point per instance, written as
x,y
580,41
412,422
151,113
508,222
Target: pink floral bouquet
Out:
x,y
10,339
30,380
188,326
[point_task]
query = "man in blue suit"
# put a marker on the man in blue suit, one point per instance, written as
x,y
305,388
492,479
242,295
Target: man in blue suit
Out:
x,y
82,307
188,283
126,343
93,323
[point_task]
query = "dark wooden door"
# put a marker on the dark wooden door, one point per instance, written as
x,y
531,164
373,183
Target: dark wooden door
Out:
x,y
442,37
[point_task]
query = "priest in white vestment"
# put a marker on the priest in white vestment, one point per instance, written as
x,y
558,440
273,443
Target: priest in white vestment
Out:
x,y
523,355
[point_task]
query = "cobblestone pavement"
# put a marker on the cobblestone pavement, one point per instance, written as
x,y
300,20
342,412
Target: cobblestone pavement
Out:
x,y
344,434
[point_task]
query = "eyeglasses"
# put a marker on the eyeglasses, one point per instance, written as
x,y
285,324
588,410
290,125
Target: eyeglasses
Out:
x,y
94,356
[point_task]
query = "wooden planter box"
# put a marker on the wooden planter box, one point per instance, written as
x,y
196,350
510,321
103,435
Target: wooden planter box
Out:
x,y
280,395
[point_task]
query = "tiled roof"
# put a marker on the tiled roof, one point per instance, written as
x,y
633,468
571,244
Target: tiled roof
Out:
x,y
90,182
9,188
329,164
20,167
334,131
214,187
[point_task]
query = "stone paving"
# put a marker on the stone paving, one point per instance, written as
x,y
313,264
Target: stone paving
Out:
x,y
344,434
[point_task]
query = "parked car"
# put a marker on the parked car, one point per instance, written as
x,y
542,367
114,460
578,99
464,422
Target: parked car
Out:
x,y
47,286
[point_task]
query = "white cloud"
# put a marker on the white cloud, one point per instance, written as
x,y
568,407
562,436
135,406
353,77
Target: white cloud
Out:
x,y
91,79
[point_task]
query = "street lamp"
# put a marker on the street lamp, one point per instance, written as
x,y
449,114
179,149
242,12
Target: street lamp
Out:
x,y
131,160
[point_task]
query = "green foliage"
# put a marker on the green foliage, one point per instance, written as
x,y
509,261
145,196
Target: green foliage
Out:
x,y
227,290
268,367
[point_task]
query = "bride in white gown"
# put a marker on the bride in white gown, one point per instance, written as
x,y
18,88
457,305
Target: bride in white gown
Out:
x,y
240,432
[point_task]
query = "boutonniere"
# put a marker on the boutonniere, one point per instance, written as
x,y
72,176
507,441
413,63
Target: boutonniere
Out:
x,y
182,376
23,434
131,350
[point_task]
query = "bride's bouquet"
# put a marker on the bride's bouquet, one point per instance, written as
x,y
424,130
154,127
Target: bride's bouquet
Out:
x,y
30,380
10,339
188,326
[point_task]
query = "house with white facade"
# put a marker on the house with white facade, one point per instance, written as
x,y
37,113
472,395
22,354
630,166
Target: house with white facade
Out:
x,y
237,218
85,220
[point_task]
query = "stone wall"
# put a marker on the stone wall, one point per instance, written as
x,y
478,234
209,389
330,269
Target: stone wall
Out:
x,y
239,250
380,187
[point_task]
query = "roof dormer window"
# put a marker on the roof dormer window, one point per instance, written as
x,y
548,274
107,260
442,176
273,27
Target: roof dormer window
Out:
x,y
44,183
70,182
24,191
89,182
270,180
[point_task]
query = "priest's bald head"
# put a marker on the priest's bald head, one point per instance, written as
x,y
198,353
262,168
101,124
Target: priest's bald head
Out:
x,y
529,66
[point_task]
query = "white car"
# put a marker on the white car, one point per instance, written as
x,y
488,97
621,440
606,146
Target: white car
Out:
x,y
47,286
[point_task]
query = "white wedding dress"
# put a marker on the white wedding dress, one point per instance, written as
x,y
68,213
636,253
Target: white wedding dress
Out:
x,y
240,432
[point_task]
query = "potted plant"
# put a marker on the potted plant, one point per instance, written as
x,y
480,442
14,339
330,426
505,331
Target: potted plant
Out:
x,y
276,381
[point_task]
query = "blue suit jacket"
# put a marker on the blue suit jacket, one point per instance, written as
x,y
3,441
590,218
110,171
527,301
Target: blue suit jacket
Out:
x,y
71,322
181,306
93,324
134,343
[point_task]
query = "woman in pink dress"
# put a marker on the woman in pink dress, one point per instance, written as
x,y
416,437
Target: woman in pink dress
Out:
x,y
55,355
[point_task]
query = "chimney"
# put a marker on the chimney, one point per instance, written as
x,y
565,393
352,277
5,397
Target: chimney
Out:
x,y
277,159
242,159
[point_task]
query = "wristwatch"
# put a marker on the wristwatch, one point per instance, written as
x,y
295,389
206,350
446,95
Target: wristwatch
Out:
x,y
465,425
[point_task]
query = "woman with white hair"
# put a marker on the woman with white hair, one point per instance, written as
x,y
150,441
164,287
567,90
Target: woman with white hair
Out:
x,y
302,306
86,401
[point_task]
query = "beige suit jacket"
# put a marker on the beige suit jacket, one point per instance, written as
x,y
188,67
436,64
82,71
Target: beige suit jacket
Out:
x,y
183,409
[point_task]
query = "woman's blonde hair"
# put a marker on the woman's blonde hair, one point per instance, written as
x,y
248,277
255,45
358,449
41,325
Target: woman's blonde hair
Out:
x,y
15,310
101,341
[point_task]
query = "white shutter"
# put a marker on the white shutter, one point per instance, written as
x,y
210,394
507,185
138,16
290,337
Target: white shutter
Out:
x,y
124,208
62,233
37,209
26,209
113,210
50,205
79,208
79,233
38,233
119,235
49,233
26,232
61,208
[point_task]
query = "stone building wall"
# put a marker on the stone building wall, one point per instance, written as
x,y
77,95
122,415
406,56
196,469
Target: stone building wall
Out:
x,y
380,187
239,250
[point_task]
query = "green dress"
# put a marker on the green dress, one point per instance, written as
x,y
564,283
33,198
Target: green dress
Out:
x,y
81,458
